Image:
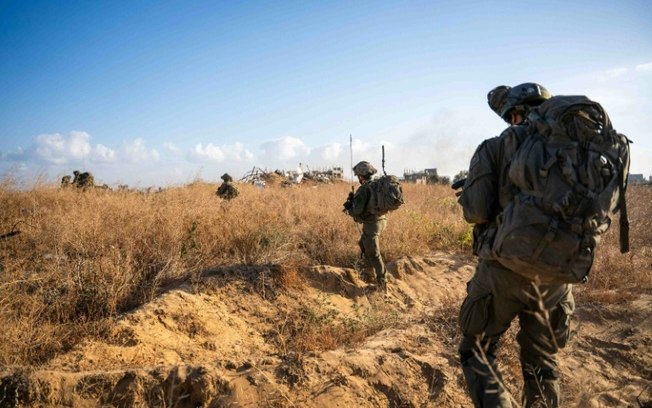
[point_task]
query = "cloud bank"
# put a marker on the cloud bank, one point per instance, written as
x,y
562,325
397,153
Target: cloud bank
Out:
x,y
134,162
445,141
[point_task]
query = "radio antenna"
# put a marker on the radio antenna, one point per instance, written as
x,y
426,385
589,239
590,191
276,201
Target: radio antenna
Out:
x,y
384,172
351,151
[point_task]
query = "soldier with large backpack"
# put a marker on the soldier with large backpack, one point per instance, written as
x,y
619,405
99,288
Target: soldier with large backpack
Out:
x,y
496,294
540,195
373,224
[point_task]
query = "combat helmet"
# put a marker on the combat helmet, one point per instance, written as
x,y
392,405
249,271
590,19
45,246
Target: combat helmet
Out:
x,y
523,97
226,177
364,169
496,98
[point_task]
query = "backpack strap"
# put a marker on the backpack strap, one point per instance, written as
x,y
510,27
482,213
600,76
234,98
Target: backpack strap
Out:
x,y
623,168
547,239
624,220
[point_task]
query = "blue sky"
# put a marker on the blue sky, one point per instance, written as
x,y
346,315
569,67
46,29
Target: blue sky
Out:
x,y
162,92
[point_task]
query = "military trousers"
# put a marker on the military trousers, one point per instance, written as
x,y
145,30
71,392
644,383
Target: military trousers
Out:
x,y
370,243
495,296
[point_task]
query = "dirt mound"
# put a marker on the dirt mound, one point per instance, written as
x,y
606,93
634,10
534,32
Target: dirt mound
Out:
x,y
256,336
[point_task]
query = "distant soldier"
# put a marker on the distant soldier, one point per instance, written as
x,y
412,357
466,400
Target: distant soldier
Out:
x,y
372,224
66,181
75,180
227,189
82,180
85,180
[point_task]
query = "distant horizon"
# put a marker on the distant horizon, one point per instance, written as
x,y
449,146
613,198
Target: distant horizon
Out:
x,y
55,183
236,178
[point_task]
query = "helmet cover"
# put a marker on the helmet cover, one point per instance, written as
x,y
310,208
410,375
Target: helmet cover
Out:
x,y
523,97
364,168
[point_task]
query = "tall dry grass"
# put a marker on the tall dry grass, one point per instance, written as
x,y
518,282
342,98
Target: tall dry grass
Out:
x,y
616,277
84,257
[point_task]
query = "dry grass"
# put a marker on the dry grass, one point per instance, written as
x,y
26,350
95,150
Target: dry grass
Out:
x,y
617,277
84,257
320,326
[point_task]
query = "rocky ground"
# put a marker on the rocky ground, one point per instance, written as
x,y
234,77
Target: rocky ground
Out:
x,y
243,337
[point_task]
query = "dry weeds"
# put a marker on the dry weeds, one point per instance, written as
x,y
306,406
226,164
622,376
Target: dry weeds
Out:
x,y
617,277
82,258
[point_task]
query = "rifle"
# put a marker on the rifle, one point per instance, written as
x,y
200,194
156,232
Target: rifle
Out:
x,y
458,185
9,234
13,231
349,201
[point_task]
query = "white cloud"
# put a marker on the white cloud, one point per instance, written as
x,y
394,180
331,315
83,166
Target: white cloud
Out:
x,y
136,151
61,149
79,144
445,141
16,156
237,152
171,147
644,67
284,148
103,154
619,72
212,153
329,152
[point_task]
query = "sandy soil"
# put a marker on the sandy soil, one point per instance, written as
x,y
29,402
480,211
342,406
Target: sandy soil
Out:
x,y
225,339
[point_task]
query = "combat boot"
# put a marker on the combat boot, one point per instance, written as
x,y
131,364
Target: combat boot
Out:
x,y
541,388
483,384
382,284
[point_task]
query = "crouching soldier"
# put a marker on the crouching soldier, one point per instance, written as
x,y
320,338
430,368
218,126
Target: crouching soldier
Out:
x,y
227,189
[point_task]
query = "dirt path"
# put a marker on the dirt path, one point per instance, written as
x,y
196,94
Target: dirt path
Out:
x,y
236,338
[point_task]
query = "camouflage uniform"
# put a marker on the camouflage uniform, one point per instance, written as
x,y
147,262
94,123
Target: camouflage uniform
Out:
x,y
372,225
227,190
83,180
66,181
87,180
496,295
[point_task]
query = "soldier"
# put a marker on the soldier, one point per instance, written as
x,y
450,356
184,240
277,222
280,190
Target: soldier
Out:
x,y
372,224
227,190
66,181
86,180
495,294
83,180
75,180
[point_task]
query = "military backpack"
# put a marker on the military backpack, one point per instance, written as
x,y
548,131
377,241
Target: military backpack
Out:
x,y
570,175
386,195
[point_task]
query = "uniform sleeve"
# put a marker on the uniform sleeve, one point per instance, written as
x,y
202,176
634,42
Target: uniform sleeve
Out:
x,y
479,198
360,199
